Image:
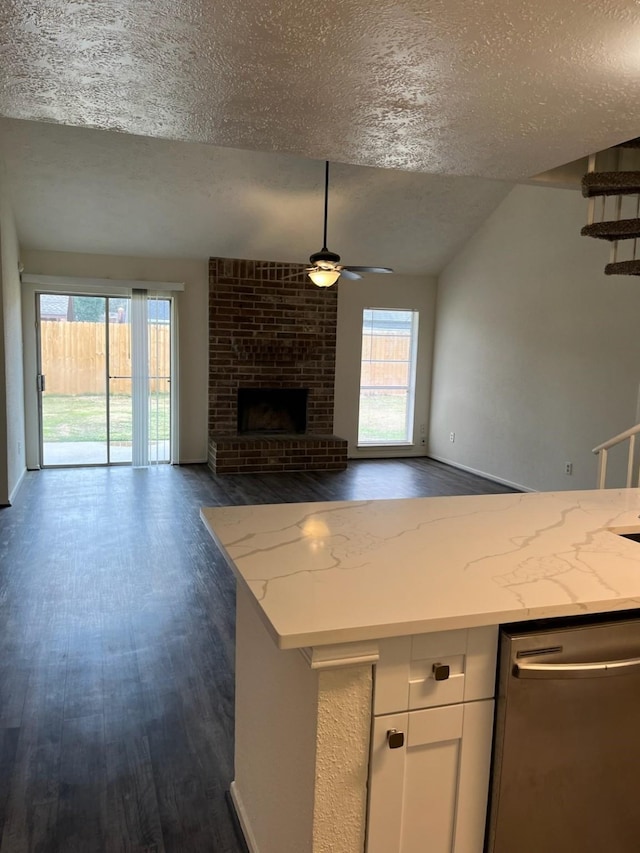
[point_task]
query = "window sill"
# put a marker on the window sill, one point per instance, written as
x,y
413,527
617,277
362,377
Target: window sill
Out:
x,y
385,444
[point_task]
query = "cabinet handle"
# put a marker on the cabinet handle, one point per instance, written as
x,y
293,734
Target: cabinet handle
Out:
x,y
395,739
441,671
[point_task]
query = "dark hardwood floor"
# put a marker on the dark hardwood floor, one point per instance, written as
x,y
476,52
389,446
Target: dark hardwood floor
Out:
x,y
117,643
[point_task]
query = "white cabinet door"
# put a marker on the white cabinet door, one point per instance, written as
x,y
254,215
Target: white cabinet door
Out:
x,y
430,795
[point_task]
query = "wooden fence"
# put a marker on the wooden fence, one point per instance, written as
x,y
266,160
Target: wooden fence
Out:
x,y
390,356
74,357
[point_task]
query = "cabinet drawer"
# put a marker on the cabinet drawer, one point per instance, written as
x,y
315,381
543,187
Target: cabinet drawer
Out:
x,y
405,679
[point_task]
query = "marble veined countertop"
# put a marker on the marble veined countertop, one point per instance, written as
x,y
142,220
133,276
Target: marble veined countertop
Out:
x,y
346,571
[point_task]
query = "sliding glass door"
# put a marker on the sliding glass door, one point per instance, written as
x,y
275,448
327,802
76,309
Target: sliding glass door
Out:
x,y
104,379
72,379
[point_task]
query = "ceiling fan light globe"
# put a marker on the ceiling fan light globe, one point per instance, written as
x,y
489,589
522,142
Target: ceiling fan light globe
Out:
x,y
324,278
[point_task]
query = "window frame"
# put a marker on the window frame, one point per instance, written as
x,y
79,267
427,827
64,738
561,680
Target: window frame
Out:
x,y
409,387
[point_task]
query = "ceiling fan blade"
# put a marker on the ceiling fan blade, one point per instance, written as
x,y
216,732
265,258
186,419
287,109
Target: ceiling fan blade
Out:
x,y
347,272
369,269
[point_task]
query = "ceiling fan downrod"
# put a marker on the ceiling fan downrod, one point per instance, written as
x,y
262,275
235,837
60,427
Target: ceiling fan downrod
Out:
x,y
324,254
326,268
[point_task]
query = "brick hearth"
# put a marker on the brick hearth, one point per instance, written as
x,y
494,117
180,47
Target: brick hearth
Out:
x,y
270,331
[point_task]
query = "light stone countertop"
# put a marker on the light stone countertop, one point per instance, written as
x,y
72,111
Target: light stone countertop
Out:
x,y
345,571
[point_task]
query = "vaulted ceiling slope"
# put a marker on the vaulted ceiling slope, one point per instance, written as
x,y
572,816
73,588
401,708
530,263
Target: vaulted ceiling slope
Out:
x,y
493,88
81,190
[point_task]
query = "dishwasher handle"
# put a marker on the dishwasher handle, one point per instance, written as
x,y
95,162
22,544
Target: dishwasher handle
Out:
x,y
595,669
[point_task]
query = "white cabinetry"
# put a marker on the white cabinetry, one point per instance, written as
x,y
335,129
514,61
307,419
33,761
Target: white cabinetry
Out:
x,y
430,793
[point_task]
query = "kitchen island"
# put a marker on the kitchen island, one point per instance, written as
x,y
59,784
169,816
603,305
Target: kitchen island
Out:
x,y
330,592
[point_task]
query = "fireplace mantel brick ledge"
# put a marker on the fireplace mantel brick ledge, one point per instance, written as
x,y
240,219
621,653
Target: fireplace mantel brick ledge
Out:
x,y
268,329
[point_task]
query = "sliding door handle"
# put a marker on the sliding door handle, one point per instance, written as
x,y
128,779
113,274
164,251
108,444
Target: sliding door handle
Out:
x,y
40,382
594,669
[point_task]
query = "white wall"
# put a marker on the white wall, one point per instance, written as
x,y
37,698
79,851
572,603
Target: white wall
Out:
x,y
193,323
380,291
12,438
537,352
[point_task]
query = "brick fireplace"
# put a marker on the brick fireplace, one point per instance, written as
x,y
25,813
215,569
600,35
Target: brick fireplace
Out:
x,y
272,343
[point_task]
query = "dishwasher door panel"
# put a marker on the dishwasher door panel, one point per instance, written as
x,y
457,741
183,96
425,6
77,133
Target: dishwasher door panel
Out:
x,y
567,745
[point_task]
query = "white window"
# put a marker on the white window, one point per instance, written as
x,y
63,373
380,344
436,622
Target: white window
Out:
x,y
387,376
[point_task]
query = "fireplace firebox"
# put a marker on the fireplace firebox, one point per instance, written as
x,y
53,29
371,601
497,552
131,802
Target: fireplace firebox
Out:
x,y
272,411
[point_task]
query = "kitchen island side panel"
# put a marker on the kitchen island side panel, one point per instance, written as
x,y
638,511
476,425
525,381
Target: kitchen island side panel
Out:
x,y
275,737
302,745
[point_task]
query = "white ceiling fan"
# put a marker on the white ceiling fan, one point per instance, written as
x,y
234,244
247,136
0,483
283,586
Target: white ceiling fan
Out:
x,y
325,267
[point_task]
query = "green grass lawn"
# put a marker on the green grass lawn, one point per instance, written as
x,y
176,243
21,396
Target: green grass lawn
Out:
x,y
83,417
382,417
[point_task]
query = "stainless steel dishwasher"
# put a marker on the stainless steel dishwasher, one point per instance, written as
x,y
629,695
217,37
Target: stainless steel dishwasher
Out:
x,y
566,768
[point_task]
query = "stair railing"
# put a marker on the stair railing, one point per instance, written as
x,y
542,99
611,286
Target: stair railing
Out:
x,y
602,450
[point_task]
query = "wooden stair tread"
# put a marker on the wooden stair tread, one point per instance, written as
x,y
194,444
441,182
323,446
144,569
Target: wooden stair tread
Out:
x,y
623,268
621,229
610,183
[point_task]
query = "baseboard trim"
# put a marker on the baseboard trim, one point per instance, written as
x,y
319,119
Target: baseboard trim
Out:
x,y
16,488
243,819
479,473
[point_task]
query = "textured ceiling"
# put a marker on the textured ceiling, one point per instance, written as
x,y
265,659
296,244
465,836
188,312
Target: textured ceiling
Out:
x,y
224,110
495,88
80,190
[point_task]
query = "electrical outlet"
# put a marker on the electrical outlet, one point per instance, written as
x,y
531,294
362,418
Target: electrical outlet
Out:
x,y
452,437
568,467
